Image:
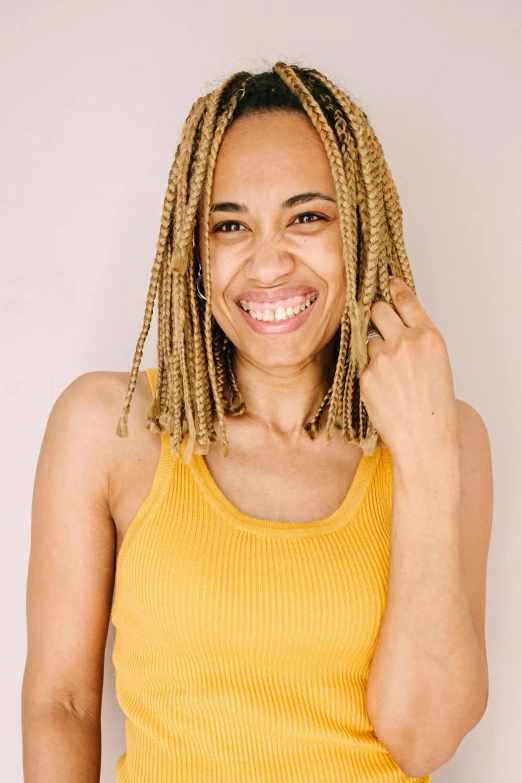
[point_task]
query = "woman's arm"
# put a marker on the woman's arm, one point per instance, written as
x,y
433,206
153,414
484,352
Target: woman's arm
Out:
x,y
428,679
429,676
69,589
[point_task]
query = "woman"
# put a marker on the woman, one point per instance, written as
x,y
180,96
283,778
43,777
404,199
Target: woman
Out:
x,y
277,617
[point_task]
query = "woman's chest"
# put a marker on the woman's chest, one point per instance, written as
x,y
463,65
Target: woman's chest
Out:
x,y
284,487
194,580
192,585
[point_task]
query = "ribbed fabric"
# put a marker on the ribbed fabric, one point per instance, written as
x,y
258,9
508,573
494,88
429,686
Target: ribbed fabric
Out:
x,y
243,645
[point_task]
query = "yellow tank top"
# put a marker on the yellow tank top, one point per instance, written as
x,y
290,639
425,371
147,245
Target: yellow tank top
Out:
x,y
243,645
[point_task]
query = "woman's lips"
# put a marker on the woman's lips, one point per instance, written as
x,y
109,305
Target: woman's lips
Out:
x,y
280,327
274,294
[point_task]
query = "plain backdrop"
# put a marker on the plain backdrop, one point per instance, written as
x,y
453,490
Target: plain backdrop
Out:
x,y
94,95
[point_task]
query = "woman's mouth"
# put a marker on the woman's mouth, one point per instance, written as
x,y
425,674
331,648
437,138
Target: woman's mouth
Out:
x,y
276,317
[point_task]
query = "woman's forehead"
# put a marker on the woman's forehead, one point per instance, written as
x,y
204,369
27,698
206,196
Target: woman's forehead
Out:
x,y
271,150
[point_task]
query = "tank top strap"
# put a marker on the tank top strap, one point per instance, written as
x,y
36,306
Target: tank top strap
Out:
x,y
152,375
163,477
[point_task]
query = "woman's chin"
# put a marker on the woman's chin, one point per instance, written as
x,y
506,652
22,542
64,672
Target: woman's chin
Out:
x,y
285,360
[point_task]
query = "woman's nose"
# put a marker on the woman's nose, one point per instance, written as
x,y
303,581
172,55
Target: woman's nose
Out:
x,y
268,261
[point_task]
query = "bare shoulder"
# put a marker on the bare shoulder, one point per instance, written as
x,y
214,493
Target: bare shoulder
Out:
x,y
104,390
93,403
83,421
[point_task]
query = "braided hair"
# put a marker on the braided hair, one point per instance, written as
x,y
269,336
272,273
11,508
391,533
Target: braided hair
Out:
x,y
196,384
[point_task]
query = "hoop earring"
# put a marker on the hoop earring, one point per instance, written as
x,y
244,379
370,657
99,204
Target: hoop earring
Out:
x,y
199,278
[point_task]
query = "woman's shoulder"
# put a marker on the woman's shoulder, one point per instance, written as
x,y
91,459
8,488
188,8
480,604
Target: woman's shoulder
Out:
x,y
91,405
103,392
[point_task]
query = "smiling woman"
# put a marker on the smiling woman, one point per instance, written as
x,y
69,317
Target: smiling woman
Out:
x,y
280,227
298,535
276,140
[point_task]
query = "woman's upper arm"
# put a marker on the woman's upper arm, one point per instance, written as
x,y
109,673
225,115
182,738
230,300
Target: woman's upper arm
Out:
x,y
71,565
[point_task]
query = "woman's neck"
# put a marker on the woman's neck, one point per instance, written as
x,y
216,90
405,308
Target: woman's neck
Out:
x,y
282,400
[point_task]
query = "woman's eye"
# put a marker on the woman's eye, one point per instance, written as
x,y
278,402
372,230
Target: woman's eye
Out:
x,y
232,225
221,226
309,215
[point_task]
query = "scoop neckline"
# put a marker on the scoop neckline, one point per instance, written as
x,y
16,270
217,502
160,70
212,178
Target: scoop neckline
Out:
x,y
341,517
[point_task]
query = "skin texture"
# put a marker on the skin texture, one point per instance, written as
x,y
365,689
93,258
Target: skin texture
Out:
x,y
431,655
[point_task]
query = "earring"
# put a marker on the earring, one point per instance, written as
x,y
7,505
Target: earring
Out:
x,y
198,281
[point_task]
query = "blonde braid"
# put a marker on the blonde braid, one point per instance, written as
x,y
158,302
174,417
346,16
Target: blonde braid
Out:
x,y
371,172
312,427
219,131
357,195
179,366
366,137
122,429
206,432
164,311
184,259
219,341
236,405
385,240
350,320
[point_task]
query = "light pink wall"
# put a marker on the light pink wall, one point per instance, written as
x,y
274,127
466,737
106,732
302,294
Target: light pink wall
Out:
x,y
94,96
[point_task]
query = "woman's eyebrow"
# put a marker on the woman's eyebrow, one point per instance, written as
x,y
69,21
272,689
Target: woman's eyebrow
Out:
x,y
293,201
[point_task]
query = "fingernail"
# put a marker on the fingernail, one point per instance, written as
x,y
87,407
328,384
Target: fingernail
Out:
x,y
390,277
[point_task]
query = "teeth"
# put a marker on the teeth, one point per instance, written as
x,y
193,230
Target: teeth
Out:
x,y
280,314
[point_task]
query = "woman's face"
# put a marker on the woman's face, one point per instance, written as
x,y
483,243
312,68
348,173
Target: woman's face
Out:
x,y
278,280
